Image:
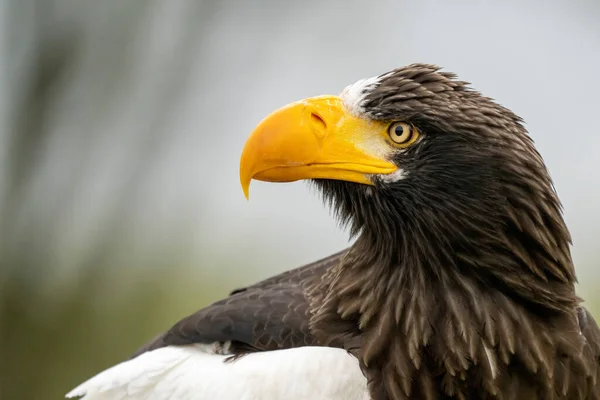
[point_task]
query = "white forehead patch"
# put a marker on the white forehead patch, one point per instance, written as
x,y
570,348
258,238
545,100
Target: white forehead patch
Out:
x,y
353,96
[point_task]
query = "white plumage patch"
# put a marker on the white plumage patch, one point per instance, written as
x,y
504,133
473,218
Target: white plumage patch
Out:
x,y
395,176
353,96
194,372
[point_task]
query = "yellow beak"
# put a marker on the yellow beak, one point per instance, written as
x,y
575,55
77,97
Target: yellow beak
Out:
x,y
315,138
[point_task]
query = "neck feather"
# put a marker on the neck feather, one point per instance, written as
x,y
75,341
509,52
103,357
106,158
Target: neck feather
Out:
x,y
453,291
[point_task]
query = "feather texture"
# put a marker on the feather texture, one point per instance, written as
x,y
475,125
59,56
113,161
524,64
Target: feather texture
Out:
x,y
194,372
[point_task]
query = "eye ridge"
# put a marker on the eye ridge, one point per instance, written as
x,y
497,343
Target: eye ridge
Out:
x,y
402,134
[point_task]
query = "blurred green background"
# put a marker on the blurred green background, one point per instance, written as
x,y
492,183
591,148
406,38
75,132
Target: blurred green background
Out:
x,y
122,123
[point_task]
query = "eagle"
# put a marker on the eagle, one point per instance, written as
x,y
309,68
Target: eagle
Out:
x,y
459,284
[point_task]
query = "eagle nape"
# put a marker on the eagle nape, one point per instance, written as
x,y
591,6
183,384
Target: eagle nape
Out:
x,y
460,283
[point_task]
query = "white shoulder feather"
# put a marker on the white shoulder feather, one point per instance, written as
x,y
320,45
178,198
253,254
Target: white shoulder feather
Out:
x,y
193,373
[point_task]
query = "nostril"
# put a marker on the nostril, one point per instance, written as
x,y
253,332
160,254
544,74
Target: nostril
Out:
x,y
318,124
317,120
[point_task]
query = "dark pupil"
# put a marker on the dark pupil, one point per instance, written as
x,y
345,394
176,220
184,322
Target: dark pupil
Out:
x,y
399,130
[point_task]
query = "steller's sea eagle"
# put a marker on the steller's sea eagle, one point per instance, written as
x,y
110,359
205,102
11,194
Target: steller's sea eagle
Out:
x,y
460,284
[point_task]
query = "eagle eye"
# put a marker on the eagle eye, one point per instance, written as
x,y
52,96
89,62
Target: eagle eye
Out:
x,y
402,134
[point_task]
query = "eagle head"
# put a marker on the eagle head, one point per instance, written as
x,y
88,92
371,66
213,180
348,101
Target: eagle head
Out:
x,y
430,174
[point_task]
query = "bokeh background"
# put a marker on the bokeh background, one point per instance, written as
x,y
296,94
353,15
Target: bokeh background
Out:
x,y
122,122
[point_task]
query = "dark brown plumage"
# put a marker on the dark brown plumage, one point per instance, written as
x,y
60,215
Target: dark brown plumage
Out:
x,y
460,283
